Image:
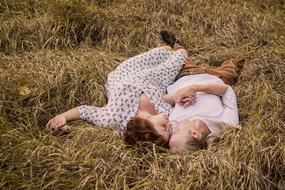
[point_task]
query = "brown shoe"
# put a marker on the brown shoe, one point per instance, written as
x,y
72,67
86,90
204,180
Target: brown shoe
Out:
x,y
239,62
170,39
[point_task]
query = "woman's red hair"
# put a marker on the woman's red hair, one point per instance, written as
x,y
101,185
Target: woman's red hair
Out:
x,y
141,130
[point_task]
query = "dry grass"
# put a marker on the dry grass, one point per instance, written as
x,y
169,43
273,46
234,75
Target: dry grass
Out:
x,y
56,54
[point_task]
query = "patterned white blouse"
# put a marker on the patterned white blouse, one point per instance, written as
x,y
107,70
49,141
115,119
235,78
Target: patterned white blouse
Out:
x,y
149,73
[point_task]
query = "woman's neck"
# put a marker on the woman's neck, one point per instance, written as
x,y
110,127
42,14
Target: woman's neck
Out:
x,y
145,105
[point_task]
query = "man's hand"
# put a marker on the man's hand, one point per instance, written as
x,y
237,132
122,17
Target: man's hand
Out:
x,y
186,96
57,123
189,100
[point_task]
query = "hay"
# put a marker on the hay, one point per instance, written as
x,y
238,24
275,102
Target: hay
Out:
x,y
56,54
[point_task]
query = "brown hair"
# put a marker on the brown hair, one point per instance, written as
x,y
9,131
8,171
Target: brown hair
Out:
x,y
141,130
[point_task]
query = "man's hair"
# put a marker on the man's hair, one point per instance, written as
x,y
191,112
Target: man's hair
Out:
x,y
141,130
190,145
209,140
194,144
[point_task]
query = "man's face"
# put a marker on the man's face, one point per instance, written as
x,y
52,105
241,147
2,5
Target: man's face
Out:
x,y
186,131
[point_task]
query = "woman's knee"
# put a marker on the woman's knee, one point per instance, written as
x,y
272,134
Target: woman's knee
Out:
x,y
182,50
168,48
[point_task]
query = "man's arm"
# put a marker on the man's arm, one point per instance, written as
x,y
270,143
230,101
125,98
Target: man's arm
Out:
x,y
230,114
216,89
169,98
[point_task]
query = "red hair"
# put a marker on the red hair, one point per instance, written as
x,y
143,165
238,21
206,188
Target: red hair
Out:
x,y
141,130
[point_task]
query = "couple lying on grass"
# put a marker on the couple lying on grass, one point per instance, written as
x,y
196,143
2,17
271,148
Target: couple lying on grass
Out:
x,y
147,104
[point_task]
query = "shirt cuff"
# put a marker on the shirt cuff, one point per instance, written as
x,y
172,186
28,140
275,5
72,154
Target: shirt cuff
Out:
x,y
229,98
83,111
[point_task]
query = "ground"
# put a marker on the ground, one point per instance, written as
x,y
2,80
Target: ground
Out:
x,y
56,54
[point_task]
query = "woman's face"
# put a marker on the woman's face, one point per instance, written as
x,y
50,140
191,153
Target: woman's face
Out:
x,y
160,123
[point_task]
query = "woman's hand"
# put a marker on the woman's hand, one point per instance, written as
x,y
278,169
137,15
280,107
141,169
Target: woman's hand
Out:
x,y
57,123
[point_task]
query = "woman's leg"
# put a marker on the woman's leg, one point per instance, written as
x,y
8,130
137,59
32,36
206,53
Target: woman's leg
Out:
x,y
165,73
136,65
144,60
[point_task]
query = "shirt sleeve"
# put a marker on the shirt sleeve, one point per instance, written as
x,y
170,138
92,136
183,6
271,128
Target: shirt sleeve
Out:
x,y
122,105
97,116
230,113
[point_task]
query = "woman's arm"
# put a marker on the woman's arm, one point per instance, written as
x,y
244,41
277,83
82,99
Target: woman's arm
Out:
x,y
72,114
59,121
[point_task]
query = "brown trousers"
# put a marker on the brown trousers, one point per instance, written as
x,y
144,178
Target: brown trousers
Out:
x,y
229,71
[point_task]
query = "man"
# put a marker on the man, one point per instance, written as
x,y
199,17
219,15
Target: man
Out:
x,y
203,101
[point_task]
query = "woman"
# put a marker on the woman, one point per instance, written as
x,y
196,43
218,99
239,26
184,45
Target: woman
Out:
x,y
134,90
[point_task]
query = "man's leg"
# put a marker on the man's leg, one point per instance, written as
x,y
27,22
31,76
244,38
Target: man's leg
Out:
x,y
229,71
191,68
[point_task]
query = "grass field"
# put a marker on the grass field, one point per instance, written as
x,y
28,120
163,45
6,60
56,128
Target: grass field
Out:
x,y
56,54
